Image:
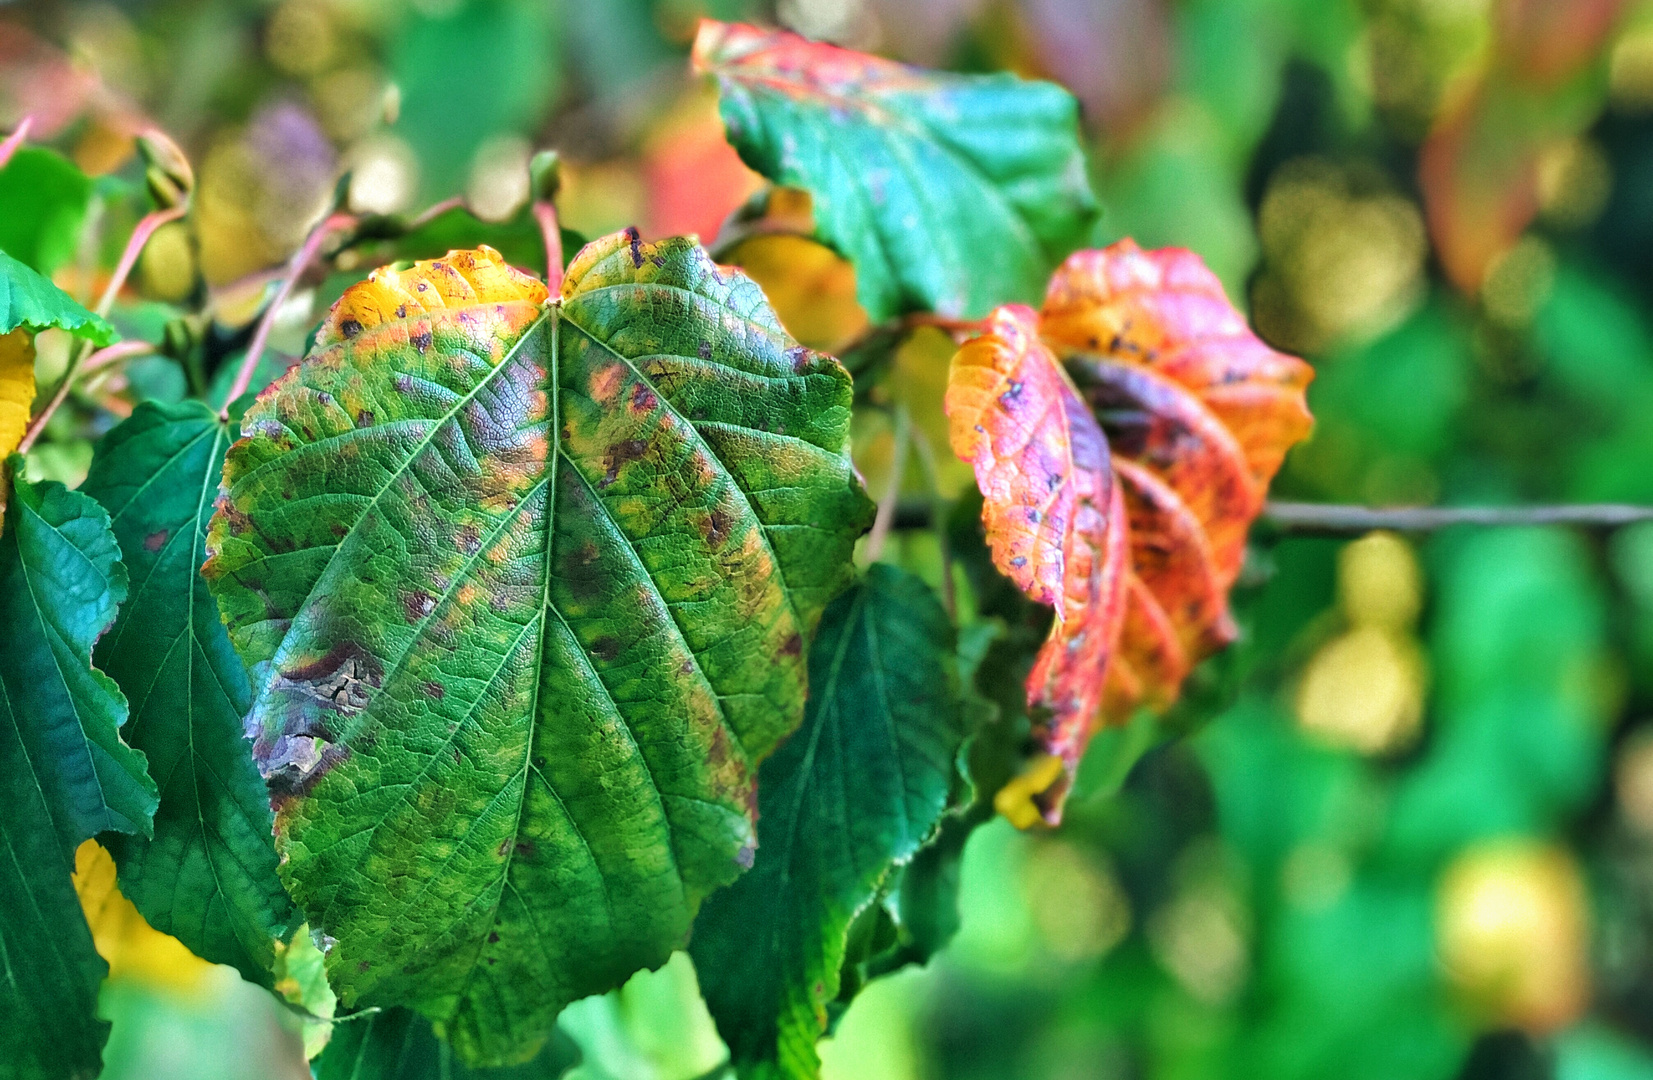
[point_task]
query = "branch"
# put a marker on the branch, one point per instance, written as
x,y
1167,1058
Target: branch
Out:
x,y
1342,520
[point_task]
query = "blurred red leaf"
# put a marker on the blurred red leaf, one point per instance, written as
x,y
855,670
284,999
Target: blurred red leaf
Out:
x,y
1198,414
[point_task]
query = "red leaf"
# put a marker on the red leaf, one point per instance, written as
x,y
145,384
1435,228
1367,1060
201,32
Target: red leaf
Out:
x,y
1054,518
1199,414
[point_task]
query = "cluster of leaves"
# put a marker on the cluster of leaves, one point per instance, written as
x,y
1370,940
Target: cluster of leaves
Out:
x,y
524,616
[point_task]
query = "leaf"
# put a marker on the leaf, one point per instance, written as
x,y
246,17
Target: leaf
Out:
x,y
858,790
50,993
65,775
30,301
60,582
209,874
133,949
16,392
1054,518
511,713
398,1044
1199,414
46,197
916,175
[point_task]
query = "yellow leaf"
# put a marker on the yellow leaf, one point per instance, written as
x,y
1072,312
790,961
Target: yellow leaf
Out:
x,y
16,395
134,949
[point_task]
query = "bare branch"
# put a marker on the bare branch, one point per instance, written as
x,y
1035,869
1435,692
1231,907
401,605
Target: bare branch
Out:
x,y
1339,520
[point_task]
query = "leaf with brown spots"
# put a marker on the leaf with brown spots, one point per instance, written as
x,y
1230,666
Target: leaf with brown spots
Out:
x,y
1052,512
1199,413
526,585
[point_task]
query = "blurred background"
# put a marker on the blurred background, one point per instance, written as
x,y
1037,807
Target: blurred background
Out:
x,y
1407,830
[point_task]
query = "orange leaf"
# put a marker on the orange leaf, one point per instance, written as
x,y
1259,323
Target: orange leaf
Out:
x,y
1054,517
1199,414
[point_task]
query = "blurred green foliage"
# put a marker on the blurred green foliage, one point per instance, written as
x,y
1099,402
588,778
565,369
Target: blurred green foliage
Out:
x,y
1264,895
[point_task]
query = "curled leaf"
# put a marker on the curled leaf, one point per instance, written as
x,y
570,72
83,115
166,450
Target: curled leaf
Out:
x,y
1054,518
1199,414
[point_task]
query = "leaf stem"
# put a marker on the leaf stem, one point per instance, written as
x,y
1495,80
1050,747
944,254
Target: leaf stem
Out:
x,y
9,146
885,517
129,258
296,266
551,235
134,247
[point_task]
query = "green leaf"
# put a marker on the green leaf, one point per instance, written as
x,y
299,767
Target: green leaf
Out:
x,y
60,582
398,1044
949,193
858,790
34,303
527,589
209,875
49,995
65,775
45,197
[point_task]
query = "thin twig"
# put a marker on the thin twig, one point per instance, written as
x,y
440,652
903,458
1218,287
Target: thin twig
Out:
x,y
112,354
134,247
296,266
551,235
1341,519
129,258
1335,519
926,455
885,517
14,140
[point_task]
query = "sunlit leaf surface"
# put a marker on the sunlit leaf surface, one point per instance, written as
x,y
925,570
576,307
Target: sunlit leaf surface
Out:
x,y
527,589
949,193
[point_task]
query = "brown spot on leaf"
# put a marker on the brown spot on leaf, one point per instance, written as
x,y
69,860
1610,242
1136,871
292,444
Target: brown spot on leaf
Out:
x,y
421,341
618,455
643,399
435,690
794,645
155,540
605,648
417,604
350,328
636,241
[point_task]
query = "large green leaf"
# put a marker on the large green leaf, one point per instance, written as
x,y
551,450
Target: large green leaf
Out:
x,y
209,875
855,792
949,193
45,196
34,303
398,1044
527,588
65,775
